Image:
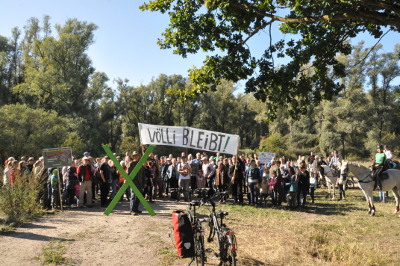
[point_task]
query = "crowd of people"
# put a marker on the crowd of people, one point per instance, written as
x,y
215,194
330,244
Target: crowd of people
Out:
x,y
247,180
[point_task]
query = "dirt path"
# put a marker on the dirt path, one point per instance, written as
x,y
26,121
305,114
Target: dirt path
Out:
x,y
92,238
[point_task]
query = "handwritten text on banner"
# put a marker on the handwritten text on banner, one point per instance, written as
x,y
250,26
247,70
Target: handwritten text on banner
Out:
x,y
188,137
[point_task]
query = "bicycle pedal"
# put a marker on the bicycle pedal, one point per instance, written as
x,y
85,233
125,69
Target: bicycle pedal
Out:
x,y
208,250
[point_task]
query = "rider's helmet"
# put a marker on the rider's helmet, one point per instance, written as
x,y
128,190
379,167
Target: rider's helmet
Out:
x,y
386,146
379,146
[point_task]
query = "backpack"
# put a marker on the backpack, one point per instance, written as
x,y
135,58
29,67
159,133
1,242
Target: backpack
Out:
x,y
183,234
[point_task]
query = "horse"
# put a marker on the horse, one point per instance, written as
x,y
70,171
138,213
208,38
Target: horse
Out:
x,y
367,184
330,179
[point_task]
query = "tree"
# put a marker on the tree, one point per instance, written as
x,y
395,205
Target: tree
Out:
x,y
57,68
320,28
26,131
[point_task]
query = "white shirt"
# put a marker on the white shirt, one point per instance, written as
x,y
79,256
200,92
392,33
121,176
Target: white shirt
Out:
x,y
181,167
388,154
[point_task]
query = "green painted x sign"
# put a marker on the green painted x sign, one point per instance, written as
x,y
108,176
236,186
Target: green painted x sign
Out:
x,y
129,180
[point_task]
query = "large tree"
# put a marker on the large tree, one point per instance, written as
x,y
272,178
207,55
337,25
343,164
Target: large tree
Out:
x,y
320,31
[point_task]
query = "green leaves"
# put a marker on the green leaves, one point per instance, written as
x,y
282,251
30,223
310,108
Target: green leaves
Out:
x,y
27,130
322,29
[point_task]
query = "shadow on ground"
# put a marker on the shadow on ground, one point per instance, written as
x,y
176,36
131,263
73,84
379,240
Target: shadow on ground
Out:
x,y
36,237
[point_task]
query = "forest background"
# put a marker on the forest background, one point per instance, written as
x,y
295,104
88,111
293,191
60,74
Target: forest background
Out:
x,y
51,96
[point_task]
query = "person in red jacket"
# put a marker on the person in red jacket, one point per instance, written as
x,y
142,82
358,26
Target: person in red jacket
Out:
x,y
85,175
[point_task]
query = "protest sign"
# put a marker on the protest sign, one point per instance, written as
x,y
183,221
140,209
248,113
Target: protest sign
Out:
x,y
57,157
188,137
265,157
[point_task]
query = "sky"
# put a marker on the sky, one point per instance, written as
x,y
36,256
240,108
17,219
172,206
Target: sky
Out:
x,y
126,40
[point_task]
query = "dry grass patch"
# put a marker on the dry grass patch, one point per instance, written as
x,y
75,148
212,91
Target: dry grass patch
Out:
x,y
330,232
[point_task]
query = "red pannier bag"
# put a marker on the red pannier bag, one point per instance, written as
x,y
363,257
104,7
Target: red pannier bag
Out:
x,y
183,233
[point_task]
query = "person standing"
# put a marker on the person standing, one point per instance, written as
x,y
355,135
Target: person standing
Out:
x,y
304,184
139,181
237,179
173,174
114,178
220,179
104,181
163,171
313,186
184,177
253,180
85,176
194,166
208,171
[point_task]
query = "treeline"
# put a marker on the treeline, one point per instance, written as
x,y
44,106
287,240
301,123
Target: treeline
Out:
x,y
52,96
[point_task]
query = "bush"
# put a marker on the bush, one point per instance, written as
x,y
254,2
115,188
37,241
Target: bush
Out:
x,y
274,143
19,202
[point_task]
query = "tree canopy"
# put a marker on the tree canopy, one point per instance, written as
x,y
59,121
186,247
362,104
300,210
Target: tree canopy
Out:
x,y
320,31
50,98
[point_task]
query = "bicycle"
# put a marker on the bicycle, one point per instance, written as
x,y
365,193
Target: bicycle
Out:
x,y
198,234
226,240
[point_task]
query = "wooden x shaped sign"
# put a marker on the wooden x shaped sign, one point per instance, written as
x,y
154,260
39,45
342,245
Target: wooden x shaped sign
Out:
x,y
129,180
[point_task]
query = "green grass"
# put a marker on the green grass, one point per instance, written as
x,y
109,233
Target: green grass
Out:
x,y
54,253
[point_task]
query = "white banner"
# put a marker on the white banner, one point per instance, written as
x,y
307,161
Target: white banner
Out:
x,y
265,157
188,137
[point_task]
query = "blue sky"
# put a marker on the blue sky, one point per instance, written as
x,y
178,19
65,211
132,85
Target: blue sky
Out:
x,y
126,41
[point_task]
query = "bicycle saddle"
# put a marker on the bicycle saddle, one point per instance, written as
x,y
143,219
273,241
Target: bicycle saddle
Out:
x,y
195,203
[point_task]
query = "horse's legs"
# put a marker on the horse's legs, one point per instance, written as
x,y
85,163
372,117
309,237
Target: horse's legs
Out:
x,y
370,203
397,197
371,200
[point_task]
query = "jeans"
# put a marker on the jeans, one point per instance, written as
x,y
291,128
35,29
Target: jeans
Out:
x,y
253,193
134,201
184,184
114,184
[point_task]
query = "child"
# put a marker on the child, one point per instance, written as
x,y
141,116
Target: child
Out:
x,y
55,200
264,191
313,185
273,187
293,190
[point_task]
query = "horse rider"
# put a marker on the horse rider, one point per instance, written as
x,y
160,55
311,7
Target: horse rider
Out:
x,y
379,166
334,163
389,156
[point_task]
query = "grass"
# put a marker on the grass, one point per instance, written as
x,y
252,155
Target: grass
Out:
x,y
54,253
331,232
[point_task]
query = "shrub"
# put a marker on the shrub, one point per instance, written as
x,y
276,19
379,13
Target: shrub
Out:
x,y
19,202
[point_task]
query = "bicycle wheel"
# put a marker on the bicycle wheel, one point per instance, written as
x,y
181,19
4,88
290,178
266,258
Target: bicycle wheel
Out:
x,y
231,255
199,247
228,247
